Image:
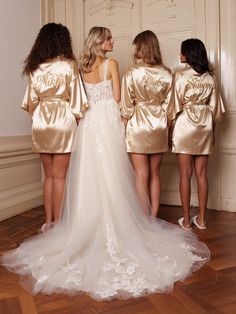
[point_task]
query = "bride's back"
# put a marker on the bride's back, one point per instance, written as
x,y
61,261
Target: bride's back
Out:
x,y
98,73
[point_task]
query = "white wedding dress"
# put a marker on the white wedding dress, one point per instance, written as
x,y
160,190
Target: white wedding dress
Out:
x,y
104,245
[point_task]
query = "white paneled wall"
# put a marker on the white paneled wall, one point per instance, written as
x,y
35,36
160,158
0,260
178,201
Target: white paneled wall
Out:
x,y
228,125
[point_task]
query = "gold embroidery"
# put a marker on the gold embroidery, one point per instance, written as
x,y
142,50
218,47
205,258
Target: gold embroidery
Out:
x,y
152,83
195,84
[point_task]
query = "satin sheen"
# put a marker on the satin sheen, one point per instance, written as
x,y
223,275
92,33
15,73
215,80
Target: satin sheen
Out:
x,y
144,98
104,245
54,97
196,106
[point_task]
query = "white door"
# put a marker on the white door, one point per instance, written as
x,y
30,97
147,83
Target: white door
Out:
x,y
122,18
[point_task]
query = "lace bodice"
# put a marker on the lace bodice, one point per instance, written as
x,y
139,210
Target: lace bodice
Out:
x,y
100,91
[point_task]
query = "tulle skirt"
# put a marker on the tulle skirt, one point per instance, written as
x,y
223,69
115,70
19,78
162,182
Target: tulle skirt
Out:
x,y
104,245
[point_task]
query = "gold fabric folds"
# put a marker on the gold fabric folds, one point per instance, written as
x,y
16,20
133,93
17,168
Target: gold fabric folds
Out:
x,y
54,97
145,96
196,106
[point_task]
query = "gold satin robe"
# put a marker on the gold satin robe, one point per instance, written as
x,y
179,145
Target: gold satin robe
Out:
x,y
196,106
145,95
54,97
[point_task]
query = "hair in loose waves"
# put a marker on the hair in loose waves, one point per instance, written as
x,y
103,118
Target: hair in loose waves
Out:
x,y
53,40
93,47
196,56
147,48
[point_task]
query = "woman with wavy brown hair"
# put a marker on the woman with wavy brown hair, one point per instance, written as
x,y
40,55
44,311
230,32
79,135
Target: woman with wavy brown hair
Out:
x,y
55,99
145,96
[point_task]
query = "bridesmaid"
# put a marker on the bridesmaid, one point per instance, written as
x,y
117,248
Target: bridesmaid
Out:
x,y
145,96
56,100
196,109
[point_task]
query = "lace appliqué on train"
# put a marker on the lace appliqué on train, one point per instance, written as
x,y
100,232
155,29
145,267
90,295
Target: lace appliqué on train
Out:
x,y
126,275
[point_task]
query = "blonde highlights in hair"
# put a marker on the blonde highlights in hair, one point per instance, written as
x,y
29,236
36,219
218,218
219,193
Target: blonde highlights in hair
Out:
x,y
147,48
93,47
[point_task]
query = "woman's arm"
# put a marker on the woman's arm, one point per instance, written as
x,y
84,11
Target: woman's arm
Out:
x,y
114,70
78,98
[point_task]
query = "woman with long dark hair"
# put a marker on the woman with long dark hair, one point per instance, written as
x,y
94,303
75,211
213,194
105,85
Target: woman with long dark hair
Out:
x,y
146,90
196,108
56,100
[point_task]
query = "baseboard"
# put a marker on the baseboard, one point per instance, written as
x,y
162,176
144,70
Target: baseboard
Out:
x,y
20,172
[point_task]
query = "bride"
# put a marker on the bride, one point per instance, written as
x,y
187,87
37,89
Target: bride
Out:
x,y
104,245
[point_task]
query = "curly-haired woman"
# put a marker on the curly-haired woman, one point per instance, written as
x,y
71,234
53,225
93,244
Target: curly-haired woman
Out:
x,y
56,100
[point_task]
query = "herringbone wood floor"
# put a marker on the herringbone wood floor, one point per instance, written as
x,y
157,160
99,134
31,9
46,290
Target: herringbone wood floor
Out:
x,y
211,290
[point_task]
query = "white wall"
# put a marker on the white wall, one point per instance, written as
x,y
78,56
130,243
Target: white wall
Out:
x,y
19,25
20,169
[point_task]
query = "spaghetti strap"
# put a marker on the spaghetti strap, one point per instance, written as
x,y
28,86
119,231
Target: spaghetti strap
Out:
x,y
105,69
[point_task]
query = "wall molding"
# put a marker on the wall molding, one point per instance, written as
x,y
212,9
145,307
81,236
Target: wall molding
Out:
x,y
228,204
228,149
16,201
20,171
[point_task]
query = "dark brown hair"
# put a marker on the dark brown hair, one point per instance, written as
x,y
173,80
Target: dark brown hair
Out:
x,y
53,40
196,56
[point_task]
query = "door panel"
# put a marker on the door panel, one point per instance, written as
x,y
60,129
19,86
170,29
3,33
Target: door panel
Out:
x,y
123,19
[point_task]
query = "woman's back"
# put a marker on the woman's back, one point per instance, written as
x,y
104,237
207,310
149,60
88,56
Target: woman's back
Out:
x,y
52,78
97,86
149,83
194,87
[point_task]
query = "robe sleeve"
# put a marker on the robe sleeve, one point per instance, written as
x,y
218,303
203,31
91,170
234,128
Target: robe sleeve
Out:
x,y
175,103
127,95
30,100
78,98
216,103
167,102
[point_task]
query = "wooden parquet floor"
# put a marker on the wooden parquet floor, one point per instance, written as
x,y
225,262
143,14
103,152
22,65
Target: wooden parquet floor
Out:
x,y
210,290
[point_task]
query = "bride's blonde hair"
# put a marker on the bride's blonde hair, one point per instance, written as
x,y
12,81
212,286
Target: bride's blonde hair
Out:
x,y
92,47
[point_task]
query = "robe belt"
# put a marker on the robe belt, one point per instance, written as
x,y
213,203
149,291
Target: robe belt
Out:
x,y
189,104
148,103
51,99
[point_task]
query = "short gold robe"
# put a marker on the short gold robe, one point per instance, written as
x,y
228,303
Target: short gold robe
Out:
x,y
196,106
54,97
145,95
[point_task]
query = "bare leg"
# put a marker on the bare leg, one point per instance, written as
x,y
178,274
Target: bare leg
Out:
x,y
60,166
200,165
47,160
155,184
185,171
141,166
